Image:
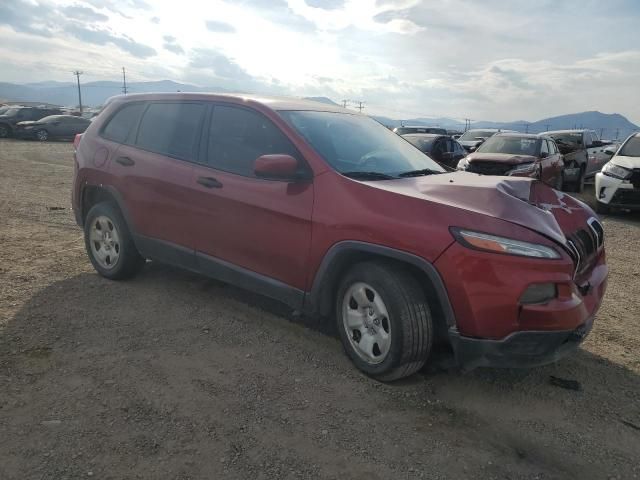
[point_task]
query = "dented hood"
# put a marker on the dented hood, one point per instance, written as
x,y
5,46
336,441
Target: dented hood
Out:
x,y
523,201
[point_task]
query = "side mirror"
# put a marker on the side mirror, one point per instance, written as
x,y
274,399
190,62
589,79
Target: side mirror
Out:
x,y
544,154
473,149
276,167
611,150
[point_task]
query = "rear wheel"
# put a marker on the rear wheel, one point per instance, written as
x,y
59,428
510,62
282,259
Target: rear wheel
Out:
x,y
109,243
384,321
577,185
42,135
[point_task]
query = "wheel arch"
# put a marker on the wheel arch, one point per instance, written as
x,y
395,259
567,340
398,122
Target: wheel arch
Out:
x,y
93,194
343,255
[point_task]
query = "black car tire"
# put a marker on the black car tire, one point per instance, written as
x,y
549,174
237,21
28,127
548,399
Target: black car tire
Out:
x,y
5,131
409,319
42,135
602,208
129,261
576,186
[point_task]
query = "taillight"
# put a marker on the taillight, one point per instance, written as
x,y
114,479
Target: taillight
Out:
x,y
76,140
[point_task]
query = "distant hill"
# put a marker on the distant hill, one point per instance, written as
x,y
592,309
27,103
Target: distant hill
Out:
x,y
95,94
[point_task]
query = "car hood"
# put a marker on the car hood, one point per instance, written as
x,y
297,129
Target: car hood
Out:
x,y
469,143
26,123
626,162
506,158
523,201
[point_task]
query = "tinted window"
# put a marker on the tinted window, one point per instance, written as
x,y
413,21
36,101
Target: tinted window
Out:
x,y
422,142
631,148
238,137
354,143
473,134
123,122
171,129
459,148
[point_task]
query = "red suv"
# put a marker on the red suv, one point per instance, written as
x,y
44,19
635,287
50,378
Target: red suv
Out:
x,y
333,214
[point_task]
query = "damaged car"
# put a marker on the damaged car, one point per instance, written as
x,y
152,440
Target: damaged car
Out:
x,y
618,184
336,216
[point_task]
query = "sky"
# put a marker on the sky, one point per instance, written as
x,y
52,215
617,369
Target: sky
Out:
x,y
484,60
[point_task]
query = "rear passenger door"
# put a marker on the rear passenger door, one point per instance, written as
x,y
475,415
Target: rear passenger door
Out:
x,y
153,170
261,227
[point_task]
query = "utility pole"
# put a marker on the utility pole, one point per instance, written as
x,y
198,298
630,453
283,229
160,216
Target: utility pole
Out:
x,y
467,124
124,81
360,106
77,73
617,133
601,133
547,127
344,103
526,128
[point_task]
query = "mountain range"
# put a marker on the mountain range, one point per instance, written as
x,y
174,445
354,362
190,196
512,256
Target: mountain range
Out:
x,y
611,125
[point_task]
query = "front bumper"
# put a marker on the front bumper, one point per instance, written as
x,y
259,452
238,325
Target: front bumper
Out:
x,y
617,193
522,349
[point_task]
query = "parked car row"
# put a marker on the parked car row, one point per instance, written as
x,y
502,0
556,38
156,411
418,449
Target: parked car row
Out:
x,y
37,123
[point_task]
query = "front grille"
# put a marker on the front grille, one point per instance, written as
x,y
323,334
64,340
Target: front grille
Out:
x,y
489,168
625,196
584,245
635,178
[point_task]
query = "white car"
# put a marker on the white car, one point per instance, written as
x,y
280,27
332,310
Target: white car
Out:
x,y
618,184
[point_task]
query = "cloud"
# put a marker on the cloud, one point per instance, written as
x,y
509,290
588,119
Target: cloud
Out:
x,y
171,45
26,17
79,12
219,27
104,37
326,4
221,66
155,20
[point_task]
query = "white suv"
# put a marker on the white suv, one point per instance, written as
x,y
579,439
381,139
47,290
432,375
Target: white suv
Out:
x,y
618,184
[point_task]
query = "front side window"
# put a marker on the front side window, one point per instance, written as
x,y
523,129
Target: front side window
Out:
x,y
510,145
568,141
544,148
171,129
354,144
120,126
631,147
237,137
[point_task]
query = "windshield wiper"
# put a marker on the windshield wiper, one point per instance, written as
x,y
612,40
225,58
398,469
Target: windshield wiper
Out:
x,y
368,175
419,173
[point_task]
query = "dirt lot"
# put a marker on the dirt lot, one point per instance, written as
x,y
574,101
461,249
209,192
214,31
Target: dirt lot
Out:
x,y
172,375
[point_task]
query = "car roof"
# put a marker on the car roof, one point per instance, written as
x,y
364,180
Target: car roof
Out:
x,y
516,134
272,102
423,135
574,130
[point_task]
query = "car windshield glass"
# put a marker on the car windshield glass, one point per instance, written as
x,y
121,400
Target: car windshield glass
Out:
x,y
473,134
631,148
568,139
510,145
353,143
12,112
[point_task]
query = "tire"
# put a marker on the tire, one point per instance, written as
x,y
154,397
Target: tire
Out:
x,y
42,135
390,319
109,243
576,186
5,131
602,208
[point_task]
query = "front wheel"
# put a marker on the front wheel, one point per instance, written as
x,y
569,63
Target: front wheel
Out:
x,y
602,208
4,131
42,135
384,320
109,243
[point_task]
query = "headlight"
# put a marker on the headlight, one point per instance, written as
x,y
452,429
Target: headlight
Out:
x,y
509,246
525,168
615,171
463,164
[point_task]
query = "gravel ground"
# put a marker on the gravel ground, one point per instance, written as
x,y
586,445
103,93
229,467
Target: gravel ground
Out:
x,y
172,375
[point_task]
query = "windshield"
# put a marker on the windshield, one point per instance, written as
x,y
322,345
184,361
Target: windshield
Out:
x,y
510,145
631,148
423,143
12,112
473,134
353,143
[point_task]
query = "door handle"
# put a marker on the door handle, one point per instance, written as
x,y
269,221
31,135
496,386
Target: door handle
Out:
x,y
209,182
125,161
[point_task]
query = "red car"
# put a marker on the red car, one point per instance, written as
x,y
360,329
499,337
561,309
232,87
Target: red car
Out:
x,y
518,155
333,214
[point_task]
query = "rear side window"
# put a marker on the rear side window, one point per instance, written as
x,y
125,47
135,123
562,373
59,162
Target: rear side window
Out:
x,y
171,129
544,147
120,125
238,136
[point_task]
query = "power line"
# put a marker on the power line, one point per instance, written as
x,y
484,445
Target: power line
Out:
x,y
124,81
77,73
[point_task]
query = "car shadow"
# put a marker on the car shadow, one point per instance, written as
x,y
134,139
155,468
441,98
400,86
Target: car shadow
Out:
x,y
72,343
